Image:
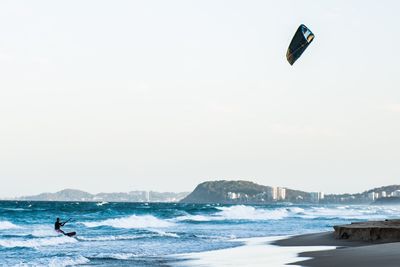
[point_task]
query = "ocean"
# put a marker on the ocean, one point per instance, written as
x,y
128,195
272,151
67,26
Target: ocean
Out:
x,y
156,234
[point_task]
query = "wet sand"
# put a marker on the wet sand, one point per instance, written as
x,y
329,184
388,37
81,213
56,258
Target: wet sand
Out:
x,y
254,252
348,253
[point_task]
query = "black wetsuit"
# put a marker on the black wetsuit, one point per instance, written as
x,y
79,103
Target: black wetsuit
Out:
x,y
57,226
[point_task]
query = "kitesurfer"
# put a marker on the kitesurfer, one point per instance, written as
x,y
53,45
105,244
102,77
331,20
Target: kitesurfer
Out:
x,y
57,227
58,224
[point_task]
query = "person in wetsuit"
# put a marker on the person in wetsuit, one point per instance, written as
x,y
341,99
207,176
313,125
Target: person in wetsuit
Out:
x,y
57,226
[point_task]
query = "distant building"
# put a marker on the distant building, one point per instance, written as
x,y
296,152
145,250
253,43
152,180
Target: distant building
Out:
x,y
383,194
277,193
371,196
395,193
317,196
273,193
314,196
233,195
281,193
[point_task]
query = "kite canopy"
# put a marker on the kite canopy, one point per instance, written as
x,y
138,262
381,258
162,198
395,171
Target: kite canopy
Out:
x,y
301,40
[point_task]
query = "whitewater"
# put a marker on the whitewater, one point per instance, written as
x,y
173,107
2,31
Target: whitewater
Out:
x,y
162,234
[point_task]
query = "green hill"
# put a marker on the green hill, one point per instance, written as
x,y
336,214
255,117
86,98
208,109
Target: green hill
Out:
x,y
218,192
234,192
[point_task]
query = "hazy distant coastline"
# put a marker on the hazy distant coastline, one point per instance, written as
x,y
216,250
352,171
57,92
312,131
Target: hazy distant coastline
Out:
x,y
132,196
229,192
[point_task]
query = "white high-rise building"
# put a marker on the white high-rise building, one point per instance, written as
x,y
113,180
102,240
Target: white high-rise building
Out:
x,y
277,193
281,193
273,193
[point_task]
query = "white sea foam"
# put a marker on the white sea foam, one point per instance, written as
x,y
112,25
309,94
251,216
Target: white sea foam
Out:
x,y
6,225
154,233
242,212
55,262
132,222
44,231
67,261
349,212
122,256
162,233
102,203
256,252
37,242
238,212
198,218
217,238
110,237
117,256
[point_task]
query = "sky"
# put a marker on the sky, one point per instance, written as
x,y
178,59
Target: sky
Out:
x,y
108,96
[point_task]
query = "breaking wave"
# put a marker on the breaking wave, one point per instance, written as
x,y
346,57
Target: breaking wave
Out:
x,y
37,242
57,261
117,256
197,218
162,233
242,212
14,209
238,212
127,237
6,225
110,237
349,212
132,222
44,231
66,261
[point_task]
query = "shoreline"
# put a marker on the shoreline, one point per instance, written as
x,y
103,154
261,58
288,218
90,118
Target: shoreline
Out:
x,y
346,254
254,252
306,250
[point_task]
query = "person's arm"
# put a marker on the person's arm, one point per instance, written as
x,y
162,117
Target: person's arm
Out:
x,y
62,224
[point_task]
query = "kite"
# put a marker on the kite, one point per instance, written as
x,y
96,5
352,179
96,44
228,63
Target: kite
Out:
x,y
301,40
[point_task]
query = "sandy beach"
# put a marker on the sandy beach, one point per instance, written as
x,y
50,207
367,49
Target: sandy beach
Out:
x,y
347,253
309,250
258,251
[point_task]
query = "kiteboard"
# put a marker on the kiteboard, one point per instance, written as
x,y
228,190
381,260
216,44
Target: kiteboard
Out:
x,y
70,234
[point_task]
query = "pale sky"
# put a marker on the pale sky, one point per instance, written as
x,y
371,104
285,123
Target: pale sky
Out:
x,y
161,95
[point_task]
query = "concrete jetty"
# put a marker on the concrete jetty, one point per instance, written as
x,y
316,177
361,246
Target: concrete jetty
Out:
x,y
380,231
